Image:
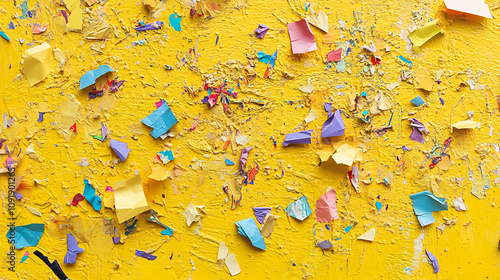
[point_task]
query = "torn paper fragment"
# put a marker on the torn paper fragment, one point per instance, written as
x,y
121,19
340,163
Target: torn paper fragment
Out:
x,y
326,207
469,124
347,155
90,77
307,88
424,34
159,173
334,55
248,228
120,149
459,204
368,236
372,48
243,159
161,120
472,7
334,125
223,251
24,236
417,101
424,83
261,213
261,31
424,203
145,255
303,137
191,214
267,228
130,200
354,177
232,264
90,194
325,245
311,117
299,209
34,211
434,261
72,249
320,20
301,37
35,64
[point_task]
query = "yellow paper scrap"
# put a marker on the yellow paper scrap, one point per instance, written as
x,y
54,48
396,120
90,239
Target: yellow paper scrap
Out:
x,y
97,30
473,7
425,83
325,152
223,251
191,214
469,124
159,173
307,88
346,155
232,264
130,200
319,20
368,236
384,103
267,228
75,17
312,116
34,211
150,4
35,66
424,34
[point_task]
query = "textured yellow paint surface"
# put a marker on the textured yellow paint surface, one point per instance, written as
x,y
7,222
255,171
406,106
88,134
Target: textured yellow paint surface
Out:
x,y
468,51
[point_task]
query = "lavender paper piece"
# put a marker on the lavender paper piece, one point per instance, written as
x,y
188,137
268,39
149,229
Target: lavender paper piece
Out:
x,y
104,131
434,261
261,213
243,159
151,26
73,250
120,148
328,108
145,255
334,125
303,137
40,117
418,130
116,239
261,31
417,136
325,245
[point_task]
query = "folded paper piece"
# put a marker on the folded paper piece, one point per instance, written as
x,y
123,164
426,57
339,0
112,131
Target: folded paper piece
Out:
x,y
320,20
261,31
334,125
346,155
301,37
303,137
326,207
35,64
424,34
354,177
325,245
90,194
299,209
120,149
261,213
75,18
223,251
175,22
4,35
97,30
24,236
73,249
459,204
145,255
37,28
424,203
417,101
418,130
368,236
243,159
267,228
473,7
161,120
311,117
434,261
130,200
334,56
232,264
191,214
469,124
104,133
159,173
248,228
91,76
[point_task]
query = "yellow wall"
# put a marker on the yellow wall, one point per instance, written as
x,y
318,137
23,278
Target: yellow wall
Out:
x,y
467,51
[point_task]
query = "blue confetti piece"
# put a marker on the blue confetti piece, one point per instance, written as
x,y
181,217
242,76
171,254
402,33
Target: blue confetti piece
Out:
x,y
379,205
228,162
168,231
